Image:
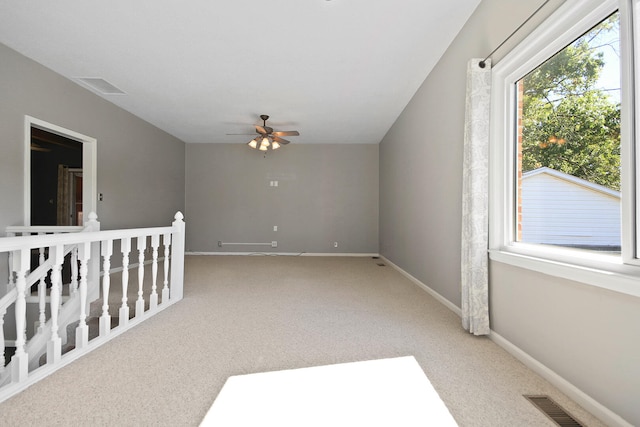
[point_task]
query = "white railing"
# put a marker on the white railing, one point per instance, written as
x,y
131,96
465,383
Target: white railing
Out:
x,y
43,267
163,245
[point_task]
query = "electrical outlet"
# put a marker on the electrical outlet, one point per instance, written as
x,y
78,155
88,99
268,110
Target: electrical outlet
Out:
x,y
219,243
274,244
275,228
335,244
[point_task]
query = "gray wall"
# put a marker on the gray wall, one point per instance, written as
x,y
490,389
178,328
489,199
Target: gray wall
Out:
x,y
586,335
140,168
325,193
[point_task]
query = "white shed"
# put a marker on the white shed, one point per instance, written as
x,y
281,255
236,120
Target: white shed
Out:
x,y
560,209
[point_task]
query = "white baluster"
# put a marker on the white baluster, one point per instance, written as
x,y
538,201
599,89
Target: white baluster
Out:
x,y
105,319
153,299
82,331
93,277
20,360
42,294
42,304
142,245
10,282
73,287
60,288
3,312
41,252
125,247
166,239
54,346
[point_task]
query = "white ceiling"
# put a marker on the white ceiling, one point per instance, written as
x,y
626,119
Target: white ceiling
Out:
x,y
338,71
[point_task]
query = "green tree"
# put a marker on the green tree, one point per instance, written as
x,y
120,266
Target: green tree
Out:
x,y
568,124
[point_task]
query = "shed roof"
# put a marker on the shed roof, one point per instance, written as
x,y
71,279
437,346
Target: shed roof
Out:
x,y
572,179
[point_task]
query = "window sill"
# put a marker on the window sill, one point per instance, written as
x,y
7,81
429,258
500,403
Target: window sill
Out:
x,y
620,278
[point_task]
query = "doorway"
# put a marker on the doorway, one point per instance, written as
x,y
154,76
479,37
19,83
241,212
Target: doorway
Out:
x,y
60,175
56,162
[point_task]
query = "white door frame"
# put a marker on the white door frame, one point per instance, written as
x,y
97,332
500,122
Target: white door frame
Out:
x,y
71,197
89,165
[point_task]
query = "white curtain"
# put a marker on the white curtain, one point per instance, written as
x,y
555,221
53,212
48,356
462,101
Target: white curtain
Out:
x,y
475,200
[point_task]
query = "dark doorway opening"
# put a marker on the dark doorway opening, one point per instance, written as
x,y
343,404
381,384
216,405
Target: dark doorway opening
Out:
x,y
56,179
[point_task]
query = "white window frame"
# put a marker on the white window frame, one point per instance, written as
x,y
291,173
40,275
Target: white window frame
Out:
x,y
567,23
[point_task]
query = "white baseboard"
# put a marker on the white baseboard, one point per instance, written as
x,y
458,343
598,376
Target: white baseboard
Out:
x,y
256,253
609,417
587,402
442,300
340,254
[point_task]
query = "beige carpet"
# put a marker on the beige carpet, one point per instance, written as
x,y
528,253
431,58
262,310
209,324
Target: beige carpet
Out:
x,y
244,315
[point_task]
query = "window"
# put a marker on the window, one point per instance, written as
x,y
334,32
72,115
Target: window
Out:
x,y
563,162
567,166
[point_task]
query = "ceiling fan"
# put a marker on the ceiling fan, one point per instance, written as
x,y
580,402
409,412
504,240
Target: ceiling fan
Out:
x,y
268,138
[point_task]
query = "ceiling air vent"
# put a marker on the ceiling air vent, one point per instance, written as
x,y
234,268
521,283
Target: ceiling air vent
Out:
x,y
554,411
100,85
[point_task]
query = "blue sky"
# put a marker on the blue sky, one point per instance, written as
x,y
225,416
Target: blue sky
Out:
x,y
610,76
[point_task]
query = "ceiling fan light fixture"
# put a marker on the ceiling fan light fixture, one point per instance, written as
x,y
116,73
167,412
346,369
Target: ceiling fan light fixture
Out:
x,y
268,138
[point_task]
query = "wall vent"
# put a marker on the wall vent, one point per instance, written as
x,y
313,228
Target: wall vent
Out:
x,y
100,85
554,411
380,264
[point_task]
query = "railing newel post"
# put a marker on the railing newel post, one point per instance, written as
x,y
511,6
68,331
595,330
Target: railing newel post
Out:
x,y
166,241
177,258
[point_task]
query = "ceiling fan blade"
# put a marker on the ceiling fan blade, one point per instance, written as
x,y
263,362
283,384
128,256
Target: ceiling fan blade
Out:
x,y
260,129
280,140
287,133
240,133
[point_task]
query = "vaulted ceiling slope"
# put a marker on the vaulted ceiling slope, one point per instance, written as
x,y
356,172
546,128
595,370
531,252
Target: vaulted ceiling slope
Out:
x,y
339,71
